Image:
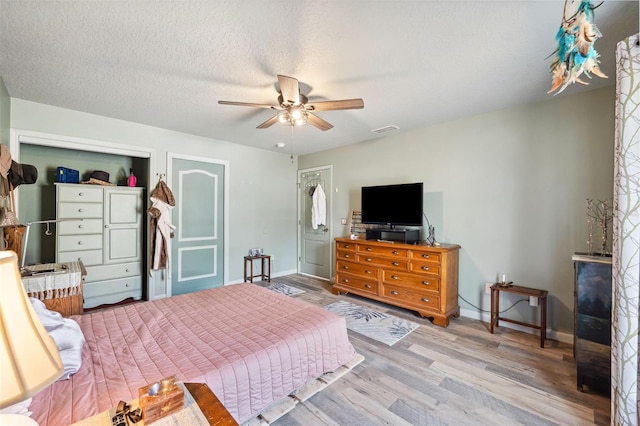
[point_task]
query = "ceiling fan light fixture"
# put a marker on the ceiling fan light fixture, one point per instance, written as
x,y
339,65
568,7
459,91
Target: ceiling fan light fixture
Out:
x,y
296,114
293,116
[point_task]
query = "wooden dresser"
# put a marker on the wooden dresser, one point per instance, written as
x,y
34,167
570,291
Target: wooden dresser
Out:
x,y
419,277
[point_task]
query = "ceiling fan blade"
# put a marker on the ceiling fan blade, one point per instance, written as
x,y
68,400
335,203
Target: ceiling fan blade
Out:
x,y
289,89
318,122
246,104
335,105
270,122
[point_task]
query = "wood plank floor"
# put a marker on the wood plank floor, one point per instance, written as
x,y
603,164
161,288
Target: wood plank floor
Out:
x,y
459,375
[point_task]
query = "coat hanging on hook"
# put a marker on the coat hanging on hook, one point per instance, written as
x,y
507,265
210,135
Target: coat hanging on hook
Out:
x,y
161,228
318,207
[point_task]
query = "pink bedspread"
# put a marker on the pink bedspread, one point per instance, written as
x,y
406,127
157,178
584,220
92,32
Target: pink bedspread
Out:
x,y
250,345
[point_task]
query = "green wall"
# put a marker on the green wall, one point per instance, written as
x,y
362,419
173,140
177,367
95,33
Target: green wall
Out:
x,y
509,186
5,113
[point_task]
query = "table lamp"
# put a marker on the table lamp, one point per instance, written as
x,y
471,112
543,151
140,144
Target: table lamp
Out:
x,y
29,358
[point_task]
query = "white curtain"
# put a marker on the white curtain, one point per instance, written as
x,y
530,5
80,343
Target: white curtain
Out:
x,y
626,237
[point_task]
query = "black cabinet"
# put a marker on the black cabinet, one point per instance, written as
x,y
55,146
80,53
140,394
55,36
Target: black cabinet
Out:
x,y
592,322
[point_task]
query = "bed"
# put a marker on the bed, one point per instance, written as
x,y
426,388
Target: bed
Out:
x,y
251,346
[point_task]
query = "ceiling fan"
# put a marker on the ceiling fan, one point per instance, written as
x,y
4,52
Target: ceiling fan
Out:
x,y
294,108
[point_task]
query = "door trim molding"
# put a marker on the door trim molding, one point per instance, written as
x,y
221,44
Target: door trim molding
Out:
x,y
329,193
225,222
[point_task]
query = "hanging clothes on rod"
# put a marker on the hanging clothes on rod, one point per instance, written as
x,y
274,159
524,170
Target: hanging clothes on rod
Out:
x,y
318,207
161,228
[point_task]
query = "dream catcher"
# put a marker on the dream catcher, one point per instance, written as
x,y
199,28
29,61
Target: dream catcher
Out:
x,y
575,54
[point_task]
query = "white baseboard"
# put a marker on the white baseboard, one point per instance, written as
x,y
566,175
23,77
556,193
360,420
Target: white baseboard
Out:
x,y
560,336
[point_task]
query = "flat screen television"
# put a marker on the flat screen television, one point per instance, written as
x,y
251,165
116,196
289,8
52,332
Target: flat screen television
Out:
x,y
392,205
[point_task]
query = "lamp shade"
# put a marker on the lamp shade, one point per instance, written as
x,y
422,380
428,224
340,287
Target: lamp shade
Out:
x,y
29,358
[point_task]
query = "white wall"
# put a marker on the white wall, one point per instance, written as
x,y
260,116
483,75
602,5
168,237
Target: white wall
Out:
x,y
510,187
262,206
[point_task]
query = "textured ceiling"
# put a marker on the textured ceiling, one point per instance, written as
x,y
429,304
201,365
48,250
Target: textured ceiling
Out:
x,y
167,63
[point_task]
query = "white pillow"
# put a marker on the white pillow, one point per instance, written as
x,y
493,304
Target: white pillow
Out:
x,y
67,335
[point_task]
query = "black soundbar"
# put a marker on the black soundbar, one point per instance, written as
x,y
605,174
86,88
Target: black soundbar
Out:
x,y
407,236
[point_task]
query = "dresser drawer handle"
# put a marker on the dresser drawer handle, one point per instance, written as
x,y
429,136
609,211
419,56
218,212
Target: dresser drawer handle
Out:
x,y
367,285
395,252
81,210
395,263
80,194
79,243
106,226
346,246
345,267
425,268
426,282
368,249
346,280
80,226
127,285
367,271
395,293
126,270
346,255
426,256
395,277
425,300
368,259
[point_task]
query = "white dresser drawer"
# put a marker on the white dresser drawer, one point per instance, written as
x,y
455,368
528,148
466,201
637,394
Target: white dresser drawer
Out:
x,y
109,272
79,242
102,288
77,227
79,193
79,210
88,257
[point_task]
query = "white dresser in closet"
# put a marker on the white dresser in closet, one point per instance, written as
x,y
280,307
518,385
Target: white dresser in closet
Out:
x,y
108,239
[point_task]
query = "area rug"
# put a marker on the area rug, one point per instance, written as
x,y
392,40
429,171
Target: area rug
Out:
x,y
284,289
376,325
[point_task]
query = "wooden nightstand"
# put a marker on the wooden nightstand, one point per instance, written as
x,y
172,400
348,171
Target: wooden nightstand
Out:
x,y
210,406
523,291
265,270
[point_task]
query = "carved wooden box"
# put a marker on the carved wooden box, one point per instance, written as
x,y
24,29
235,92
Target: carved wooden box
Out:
x,y
160,399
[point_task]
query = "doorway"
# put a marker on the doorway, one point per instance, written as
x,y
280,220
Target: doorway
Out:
x,y
315,242
199,249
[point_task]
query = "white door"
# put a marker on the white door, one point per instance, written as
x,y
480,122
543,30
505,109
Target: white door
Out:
x,y
198,254
315,243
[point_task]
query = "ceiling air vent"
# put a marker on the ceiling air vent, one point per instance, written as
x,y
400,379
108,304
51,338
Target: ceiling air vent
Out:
x,y
385,129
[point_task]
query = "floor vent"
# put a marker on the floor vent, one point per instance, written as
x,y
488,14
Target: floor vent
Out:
x,y
385,129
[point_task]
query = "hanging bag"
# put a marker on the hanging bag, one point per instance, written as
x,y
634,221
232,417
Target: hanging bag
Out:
x,y
13,230
7,216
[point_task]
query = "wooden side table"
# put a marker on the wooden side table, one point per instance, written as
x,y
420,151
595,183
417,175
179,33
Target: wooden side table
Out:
x,y
49,281
210,406
524,291
265,271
